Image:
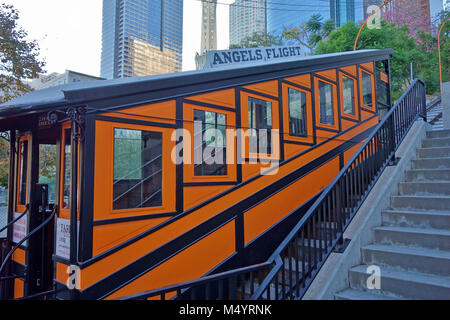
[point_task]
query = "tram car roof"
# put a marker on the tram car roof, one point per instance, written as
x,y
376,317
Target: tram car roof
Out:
x,y
128,91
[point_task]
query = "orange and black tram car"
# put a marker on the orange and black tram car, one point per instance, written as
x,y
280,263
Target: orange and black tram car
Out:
x,y
122,186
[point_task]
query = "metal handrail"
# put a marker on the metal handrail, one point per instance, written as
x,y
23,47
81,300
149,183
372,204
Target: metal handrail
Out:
x,y
308,244
16,219
329,204
39,227
204,281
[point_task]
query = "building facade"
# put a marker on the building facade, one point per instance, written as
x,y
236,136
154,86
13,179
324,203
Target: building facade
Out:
x,y
247,18
55,79
293,13
209,26
342,11
141,37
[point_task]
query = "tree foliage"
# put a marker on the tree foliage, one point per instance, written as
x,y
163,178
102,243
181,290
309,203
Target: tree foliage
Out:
x,y
423,53
18,56
310,33
258,39
18,61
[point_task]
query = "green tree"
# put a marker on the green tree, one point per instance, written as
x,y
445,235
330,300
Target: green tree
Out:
x,y
18,61
310,33
18,56
258,39
407,50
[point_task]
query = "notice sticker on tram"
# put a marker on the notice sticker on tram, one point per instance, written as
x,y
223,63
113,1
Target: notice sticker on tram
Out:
x,y
63,238
20,228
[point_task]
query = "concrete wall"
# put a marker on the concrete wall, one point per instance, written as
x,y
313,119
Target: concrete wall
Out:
x,y
445,98
333,277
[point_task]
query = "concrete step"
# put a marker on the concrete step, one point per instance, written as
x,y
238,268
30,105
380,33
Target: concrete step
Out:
x,y
437,142
419,237
417,219
418,202
431,163
424,188
435,152
407,284
411,259
352,294
427,175
439,134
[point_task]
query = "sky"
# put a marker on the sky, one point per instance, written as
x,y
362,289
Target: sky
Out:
x,y
69,32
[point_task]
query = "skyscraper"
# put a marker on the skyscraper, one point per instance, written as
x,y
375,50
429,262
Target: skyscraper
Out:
x,y
247,18
209,27
342,11
141,37
293,13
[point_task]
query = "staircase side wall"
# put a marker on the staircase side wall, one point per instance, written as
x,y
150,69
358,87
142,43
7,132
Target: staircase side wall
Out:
x,y
333,276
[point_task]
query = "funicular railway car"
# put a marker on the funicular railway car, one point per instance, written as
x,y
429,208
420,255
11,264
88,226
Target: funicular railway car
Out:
x,y
140,199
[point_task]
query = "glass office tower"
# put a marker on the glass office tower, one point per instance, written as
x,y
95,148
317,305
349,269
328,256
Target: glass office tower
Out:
x,y
141,37
247,18
342,11
293,13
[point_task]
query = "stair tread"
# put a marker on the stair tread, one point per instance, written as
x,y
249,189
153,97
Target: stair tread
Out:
x,y
418,212
433,158
444,182
414,230
353,294
432,148
411,276
417,251
422,196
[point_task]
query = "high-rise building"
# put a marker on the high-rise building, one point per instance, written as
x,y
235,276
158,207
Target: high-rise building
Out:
x,y
436,6
293,13
342,11
247,18
141,37
209,26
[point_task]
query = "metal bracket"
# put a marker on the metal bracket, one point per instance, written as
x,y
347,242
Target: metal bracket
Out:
x,y
340,248
394,161
74,114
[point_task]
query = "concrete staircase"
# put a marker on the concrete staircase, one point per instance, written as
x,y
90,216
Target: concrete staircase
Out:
x,y
412,247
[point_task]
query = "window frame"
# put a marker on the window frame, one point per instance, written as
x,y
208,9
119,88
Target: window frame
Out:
x,y
319,124
104,171
141,176
309,138
18,206
245,125
65,212
354,116
372,87
230,142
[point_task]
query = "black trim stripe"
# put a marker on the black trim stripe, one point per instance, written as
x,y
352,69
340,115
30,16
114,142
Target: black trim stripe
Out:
x,y
280,115
365,69
208,105
323,78
299,142
327,129
179,167
296,85
134,218
261,94
367,110
210,183
135,121
349,119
